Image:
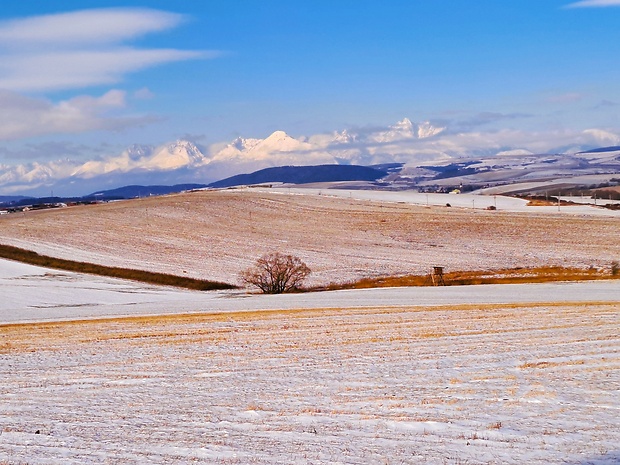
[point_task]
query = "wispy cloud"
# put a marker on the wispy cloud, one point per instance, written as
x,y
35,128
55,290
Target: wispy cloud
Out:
x,y
79,68
87,26
568,97
53,150
593,4
83,48
22,116
484,118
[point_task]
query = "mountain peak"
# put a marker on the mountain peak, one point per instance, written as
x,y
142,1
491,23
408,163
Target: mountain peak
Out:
x,y
345,137
182,143
278,135
240,144
137,151
280,141
186,150
175,155
426,129
405,123
401,130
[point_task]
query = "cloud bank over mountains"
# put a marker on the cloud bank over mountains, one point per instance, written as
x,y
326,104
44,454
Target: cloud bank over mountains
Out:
x,y
183,161
73,84
23,116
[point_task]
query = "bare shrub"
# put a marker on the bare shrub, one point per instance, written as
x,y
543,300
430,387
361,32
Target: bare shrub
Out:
x,y
615,268
275,273
496,425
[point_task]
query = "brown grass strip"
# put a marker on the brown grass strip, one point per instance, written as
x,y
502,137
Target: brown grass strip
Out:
x,y
542,274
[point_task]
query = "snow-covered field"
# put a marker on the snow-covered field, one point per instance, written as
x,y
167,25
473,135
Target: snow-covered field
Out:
x,y
473,201
216,234
535,383
104,371
33,294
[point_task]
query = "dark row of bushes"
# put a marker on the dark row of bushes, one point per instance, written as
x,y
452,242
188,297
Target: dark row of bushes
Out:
x,y
163,279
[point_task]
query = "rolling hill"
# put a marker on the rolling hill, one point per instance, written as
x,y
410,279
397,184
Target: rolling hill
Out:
x,y
304,175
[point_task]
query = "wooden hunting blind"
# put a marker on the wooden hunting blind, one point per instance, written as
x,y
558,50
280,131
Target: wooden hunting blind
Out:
x,y
437,276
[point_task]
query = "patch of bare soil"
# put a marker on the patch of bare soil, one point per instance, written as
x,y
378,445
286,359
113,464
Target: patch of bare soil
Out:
x,y
216,234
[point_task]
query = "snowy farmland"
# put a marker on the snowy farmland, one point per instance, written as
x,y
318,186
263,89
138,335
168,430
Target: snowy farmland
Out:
x,y
104,371
520,383
373,376
216,234
469,201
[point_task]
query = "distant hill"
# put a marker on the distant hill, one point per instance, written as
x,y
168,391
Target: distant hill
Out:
x,y
285,174
121,193
614,148
10,199
304,175
130,192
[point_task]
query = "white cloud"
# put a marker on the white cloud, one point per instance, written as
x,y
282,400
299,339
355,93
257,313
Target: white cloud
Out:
x,y
86,26
80,68
593,3
602,137
83,48
22,116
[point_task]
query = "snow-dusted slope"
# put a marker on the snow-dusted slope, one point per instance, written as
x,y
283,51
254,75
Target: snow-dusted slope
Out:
x,y
405,129
172,156
278,146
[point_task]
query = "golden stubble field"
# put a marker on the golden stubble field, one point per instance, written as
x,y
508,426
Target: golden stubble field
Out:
x,y
471,384
215,234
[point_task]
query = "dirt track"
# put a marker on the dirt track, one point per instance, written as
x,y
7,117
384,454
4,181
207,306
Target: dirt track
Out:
x,y
214,235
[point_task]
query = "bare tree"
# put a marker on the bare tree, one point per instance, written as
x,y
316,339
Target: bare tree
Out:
x,y
275,273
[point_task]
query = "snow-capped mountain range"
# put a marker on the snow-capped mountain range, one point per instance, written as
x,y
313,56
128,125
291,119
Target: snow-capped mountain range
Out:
x,y
183,161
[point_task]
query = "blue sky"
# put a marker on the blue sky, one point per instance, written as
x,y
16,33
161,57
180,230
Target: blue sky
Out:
x,y
97,76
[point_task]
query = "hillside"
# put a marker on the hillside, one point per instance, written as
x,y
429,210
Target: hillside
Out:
x,y
304,175
215,234
128,192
